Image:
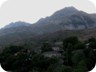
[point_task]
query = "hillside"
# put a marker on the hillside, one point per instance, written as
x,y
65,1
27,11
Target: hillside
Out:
x,y
63,23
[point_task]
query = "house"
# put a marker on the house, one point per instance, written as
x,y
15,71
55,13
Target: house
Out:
x,y
58,46
51,54
57,49
58,43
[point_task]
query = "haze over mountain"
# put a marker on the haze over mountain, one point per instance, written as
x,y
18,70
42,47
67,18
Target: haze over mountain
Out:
x,y
65,22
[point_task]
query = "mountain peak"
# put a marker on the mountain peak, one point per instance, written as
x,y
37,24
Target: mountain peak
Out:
x,y
17,24
70,8
66,11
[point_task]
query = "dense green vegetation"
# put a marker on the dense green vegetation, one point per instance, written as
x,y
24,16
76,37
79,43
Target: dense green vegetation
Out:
x,y
75,56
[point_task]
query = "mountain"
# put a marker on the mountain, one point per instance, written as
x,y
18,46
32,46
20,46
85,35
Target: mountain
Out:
x,y
63,23
70,18
17,24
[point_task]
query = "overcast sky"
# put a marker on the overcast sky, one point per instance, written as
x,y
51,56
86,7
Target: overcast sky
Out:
x,y
32,10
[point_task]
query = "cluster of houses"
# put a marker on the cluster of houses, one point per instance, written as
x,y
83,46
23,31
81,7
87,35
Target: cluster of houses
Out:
x,y
57,50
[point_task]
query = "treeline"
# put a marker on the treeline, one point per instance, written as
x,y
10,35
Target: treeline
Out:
x,y
75,56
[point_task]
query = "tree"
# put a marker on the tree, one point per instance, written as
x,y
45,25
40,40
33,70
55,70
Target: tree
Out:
x,y
46,47
80,67
68,56
15,58
7,56
77,56
92,43
70,40
79,46
90,58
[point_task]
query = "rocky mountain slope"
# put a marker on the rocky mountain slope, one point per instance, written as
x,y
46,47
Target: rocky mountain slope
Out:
x,y
63,23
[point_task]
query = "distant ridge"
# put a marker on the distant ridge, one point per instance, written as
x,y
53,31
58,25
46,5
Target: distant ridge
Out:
x,y
17,24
